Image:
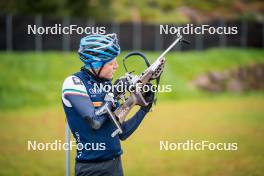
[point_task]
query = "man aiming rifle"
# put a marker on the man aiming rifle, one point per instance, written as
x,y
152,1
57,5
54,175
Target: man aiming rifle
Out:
x,y
80,101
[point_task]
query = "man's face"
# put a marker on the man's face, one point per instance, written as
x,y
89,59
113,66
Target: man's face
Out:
x,y
109,69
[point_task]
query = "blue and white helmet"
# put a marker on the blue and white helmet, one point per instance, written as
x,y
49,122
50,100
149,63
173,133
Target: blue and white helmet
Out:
x,y
97,50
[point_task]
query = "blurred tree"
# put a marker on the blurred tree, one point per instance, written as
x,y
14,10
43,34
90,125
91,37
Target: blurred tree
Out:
x,y
153,11
29,7
97,9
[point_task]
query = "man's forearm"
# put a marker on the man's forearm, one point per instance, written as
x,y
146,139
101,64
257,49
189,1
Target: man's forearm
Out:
x,y
84,107
131,125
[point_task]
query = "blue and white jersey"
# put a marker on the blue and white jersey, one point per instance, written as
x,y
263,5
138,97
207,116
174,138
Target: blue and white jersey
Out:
x,y
72,86
80,100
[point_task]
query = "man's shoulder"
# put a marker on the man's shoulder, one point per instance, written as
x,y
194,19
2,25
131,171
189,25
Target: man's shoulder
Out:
x,y
73,79
73,83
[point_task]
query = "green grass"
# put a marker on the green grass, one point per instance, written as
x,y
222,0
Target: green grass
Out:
x,y
30,109
217,120
35,79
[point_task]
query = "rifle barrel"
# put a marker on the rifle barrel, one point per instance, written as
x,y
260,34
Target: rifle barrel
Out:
x,y
157,62
170,47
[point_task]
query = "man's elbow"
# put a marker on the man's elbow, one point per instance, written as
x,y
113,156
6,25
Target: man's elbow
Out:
x,y
96,125
123,137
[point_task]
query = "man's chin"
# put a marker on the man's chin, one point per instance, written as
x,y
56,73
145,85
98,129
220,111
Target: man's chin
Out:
x,y
108,77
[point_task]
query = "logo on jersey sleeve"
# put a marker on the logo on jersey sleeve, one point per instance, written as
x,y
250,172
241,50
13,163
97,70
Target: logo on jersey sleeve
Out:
x,y
74,86
76,81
